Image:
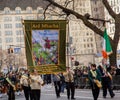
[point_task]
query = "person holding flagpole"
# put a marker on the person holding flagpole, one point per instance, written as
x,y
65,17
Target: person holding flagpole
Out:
x,y
106,80
106,76
25,82
70,85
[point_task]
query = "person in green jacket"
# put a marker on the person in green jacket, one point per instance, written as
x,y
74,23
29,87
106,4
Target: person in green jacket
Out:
x,y
94,76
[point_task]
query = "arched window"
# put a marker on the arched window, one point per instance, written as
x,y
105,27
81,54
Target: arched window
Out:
x,y
18,10
29,10
7,10
39,10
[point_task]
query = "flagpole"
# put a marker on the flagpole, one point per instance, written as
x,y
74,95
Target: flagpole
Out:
x,y
107,48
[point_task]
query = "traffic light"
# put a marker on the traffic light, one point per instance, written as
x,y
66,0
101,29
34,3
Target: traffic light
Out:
x,y
10,50
76,63
72,58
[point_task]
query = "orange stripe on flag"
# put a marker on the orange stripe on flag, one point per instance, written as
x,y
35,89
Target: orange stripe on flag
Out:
x,y
104,54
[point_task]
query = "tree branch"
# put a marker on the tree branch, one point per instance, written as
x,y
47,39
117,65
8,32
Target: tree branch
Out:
x,y
107,6
55,13
79,16
92,27
66,10
67,2
46,10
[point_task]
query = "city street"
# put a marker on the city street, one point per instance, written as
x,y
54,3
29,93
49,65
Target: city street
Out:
x,y
48,93
61,42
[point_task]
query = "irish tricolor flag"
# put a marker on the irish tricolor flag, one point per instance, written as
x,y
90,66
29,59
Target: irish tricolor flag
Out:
x,y
106,50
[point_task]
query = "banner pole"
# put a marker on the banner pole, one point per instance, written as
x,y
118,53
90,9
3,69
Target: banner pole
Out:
x,y
67,36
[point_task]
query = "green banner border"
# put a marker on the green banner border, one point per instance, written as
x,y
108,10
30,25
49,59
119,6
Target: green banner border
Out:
x,y
46,24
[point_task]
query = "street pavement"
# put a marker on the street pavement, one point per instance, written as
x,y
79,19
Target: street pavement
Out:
x,y
48,93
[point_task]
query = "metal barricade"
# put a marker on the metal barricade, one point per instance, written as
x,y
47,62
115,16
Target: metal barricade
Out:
x,y
116,82
83,82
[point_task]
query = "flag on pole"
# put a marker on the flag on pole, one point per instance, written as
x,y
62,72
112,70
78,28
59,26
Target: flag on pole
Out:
x,y
106,50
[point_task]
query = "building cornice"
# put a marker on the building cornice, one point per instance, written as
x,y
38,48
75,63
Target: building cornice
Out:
x,y
23,4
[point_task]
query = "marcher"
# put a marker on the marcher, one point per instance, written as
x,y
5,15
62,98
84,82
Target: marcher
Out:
x,y
106,81
95,81
70,86
62,82
57,85
18,85
11,86
2,79
25,82
35,84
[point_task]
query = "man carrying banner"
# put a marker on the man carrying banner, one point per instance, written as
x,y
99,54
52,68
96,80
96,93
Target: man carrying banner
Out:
x,y
25,82
35,84
70,86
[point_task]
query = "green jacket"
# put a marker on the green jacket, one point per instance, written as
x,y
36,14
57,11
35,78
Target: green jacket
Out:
x,y
91,76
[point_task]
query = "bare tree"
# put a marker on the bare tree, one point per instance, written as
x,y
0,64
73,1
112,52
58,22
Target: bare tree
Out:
x,y
86,20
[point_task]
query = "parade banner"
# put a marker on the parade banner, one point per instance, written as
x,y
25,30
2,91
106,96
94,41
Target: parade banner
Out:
x,y
45,45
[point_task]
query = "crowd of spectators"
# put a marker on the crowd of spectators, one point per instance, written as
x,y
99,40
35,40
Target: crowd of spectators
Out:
x,y
81,75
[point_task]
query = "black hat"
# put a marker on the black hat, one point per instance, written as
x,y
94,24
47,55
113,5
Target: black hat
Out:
x,y
93,65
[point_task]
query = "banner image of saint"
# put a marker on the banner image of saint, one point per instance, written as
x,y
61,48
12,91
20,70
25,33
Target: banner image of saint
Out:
x,y
45,46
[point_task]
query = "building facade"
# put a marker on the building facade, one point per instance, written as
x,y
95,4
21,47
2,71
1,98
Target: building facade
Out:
x,y
83,40
12,14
